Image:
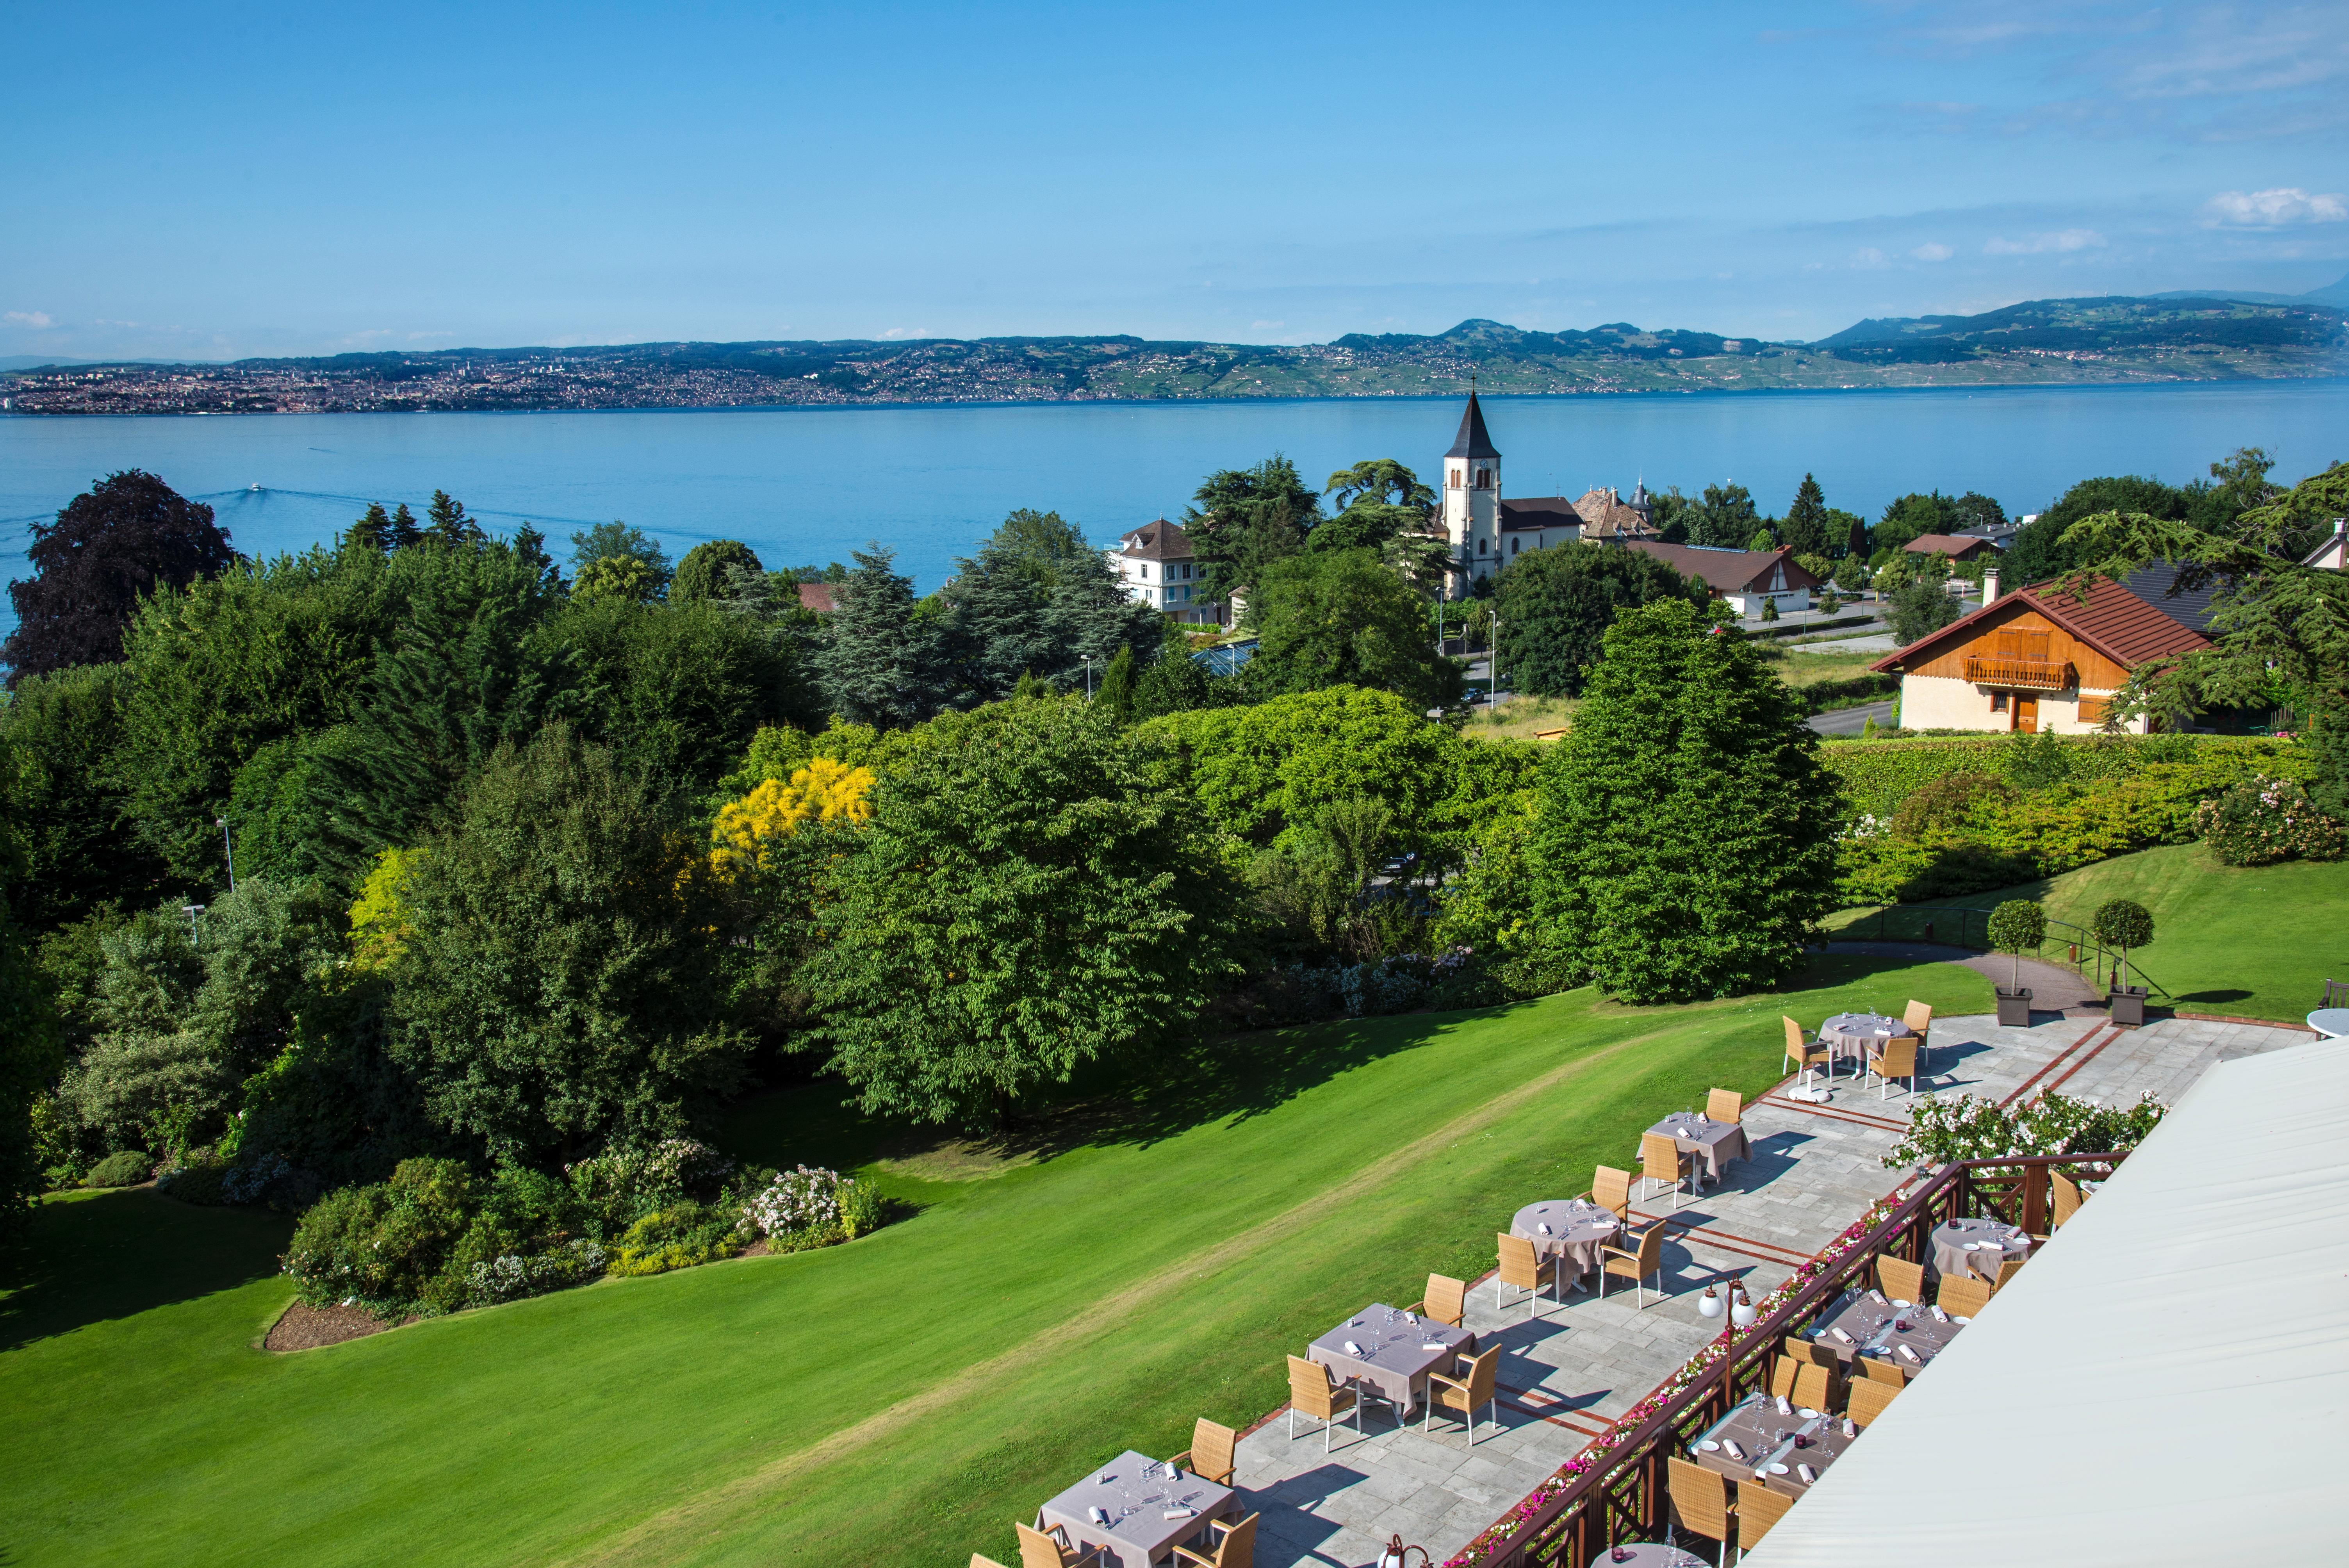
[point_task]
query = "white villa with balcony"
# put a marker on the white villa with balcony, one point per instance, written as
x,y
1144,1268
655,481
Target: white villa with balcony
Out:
x,y
1155,564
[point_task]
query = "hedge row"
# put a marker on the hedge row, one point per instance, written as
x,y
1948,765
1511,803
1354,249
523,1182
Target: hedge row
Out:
x,y
1879,775
1825,695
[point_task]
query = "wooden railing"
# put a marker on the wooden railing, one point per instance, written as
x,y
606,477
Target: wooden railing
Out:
x,y
2033,674
1623,1495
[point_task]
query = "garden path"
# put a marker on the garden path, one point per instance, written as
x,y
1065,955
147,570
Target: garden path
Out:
x,y
1566,1370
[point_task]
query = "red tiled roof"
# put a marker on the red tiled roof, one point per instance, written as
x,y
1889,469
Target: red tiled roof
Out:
x,y
2115,622
1729,571
817,597
1956,546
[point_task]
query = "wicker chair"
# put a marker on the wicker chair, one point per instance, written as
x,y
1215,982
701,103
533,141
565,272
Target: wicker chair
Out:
x,y
1480,1386
1446,1300
1901,1279
1724,1105
1635,1266
1041,1549
1758,1508
1312,1394
1870,1398
1611,1188
1816,1387
1882,1370
1962,1297
1210,1455
1920,1020
1898,1059
1811,1352
1521,1268
2066,1197
1802,1051
1661,1160
2006,1272
1235,1544
1783,1370
1701,1497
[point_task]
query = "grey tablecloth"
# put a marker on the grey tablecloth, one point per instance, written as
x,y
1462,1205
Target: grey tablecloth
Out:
x,y
1875,1331
1138,1532
1956,1249
1394,1362
1714,1144
1578,1230
1754,1426
1647,1554
1861,1035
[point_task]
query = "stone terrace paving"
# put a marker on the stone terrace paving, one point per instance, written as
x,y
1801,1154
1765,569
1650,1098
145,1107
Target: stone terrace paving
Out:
x,y
1565,1372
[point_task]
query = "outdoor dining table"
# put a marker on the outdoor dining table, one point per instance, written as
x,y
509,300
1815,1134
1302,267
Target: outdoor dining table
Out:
x,y
1570,1230
1395,1359
1715,1143
1871,1327
1860,1036
1977,1247
1767,1440
1137,1492
1646,1554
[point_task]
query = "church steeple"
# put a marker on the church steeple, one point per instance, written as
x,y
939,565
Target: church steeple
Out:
x,y
1471,496
1472,442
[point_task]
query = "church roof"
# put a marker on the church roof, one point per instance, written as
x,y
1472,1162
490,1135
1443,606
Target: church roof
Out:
x,y
1473,441
1606,516
1540,512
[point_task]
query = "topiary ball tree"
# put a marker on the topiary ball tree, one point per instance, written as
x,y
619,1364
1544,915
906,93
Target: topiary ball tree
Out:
x,y
707,568
2122,924
2016,924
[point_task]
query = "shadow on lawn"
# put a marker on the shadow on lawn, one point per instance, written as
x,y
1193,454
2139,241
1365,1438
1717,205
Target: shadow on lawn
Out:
x,y
115,1254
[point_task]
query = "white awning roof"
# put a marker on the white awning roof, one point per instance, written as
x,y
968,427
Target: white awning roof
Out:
x,y
2168,1382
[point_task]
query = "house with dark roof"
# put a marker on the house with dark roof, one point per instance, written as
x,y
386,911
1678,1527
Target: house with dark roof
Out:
x,y
1956,546
1485,532
1155,565
2049,658
1746,579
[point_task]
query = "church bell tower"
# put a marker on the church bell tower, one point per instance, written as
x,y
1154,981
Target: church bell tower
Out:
x,y
1472,498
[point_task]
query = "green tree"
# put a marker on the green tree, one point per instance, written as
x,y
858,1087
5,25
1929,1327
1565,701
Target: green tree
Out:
x,y
2039,554
1241,521
67,803
1805,529
708,570
1176,682
1913,516
446,522
1686,846
1555,607
623,579
1921,604
2016,924
1038,599
30,1054
1382,480
1762,539
2119,922
1976,510
560,987
609,541
1031,896
1852,529
881,664
1723,516
1117,687
1342,618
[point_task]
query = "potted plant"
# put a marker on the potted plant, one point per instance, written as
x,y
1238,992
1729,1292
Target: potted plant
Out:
x,y
2124,924
2016,924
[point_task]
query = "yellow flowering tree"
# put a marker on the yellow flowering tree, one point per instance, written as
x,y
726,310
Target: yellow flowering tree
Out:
x,y
826,791
379,924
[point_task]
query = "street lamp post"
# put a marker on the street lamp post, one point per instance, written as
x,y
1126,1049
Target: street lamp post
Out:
x,y
230,845
195,923
1088,659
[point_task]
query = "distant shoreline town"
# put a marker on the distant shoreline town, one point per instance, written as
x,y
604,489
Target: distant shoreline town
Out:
x,y
2040,341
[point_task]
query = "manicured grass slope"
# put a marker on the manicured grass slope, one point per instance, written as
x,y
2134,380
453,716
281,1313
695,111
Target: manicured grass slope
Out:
x,y
898,1400
2253,942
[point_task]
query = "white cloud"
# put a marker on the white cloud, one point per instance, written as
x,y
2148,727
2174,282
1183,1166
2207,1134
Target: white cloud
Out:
x,y
2283,207
34,318
896,332
1935,252
2033,244
1871,257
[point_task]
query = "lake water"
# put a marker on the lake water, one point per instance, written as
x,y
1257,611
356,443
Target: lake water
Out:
x,y
807,485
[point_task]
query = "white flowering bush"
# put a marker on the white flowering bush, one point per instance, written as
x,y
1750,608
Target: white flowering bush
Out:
x,y
1947,1127
811,1207
634,1180
511,1277
2262,820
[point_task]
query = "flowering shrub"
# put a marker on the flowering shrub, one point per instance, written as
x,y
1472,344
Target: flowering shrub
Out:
x,y
1943,1129
629,1182
509,1277
677,1237
824,791
2262,820
803,1208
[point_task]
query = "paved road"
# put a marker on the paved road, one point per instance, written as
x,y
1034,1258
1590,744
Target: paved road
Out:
x,y
1852,720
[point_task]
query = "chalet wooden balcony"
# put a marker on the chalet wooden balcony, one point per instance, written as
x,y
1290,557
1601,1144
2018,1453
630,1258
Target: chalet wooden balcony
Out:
x,y
2023,674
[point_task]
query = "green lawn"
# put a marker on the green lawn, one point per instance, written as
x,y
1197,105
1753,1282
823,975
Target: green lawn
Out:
x,y
2254,942
896,1400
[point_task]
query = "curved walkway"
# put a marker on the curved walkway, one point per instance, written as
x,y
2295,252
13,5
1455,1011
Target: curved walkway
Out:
x,y
2054,987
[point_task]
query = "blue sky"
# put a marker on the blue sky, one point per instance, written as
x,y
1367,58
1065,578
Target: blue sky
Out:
x,y
225,179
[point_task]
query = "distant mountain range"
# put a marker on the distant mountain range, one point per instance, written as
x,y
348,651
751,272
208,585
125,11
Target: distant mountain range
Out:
x,y
2182,337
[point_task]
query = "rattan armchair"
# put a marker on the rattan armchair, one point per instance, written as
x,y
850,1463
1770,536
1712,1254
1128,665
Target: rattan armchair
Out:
x,y
1235,1544
1480,1386
1816,1387
1523,1268
1802,1051
1882,1369
1901,1279
1209,1457
1611,1188
2065,1194
1920,1020
1758,1508
1962,1297
1312,1394
1870,1398
1446,1300
1701,1497
1051,1549
1724,1105
2006,1272
1635,1266
1661,1160
1897,1060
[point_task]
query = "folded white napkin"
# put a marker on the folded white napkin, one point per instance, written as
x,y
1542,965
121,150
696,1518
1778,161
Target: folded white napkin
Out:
x,y
1839,1334
1941,1316
1352,1348
1730,1446
1785,1408
1435,1344
1097,1516
1850,1427
1876,1295
1544,1227
1909,1353
1181,1512
1807,1473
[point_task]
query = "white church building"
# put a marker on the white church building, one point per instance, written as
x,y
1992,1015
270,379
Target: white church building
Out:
x,y
1486,530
